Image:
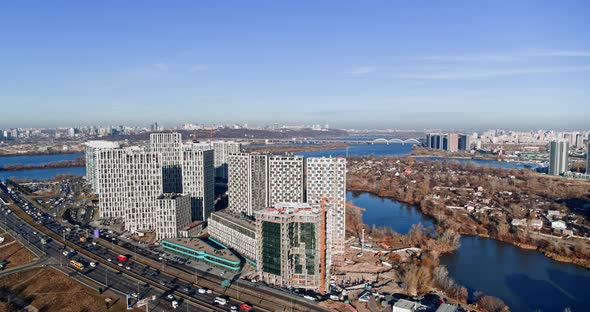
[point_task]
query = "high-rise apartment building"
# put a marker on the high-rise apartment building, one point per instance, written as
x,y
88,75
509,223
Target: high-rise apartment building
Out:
x,y
198,180
464,143
452,142
289,251
168,144
588,156
285,179
172,214
222,151
558,157
247,185
110,176
326,181
91,148
143,179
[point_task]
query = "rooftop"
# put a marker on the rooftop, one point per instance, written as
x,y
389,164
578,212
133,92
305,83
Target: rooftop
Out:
x,y
201,247
235,218
102,144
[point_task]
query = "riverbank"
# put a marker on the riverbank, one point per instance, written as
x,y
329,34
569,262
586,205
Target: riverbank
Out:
x,y
291,149
398,179
557,257
51,151
78,162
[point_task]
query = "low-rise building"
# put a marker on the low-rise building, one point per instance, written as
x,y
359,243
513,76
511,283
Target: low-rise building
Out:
x,y
518,222
199,249
536,224
403,305
445,307
558,225
191,230
236,232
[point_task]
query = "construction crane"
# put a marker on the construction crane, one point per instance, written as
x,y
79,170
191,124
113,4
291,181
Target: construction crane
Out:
x,y
323,202
196,134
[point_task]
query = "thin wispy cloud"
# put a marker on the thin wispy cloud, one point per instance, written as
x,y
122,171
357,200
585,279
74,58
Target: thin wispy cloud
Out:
x,y
491,73
505,56
162,66
198,68
361,70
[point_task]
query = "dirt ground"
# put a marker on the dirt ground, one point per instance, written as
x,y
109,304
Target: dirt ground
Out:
x,y
13,252
51,290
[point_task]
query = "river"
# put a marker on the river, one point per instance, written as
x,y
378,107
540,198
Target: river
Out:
x,y
37,159
525,279
401,150
39,174
352,150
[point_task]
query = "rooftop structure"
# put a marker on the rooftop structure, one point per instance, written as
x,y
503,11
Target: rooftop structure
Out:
x,y
197,248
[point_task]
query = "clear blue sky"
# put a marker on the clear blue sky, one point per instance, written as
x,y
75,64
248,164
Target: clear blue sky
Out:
x,y
365,64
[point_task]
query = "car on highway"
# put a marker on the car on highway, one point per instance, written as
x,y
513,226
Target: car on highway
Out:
x,y
221,301
120,264
128,267
202,290
110,260
162,283
93,264
134,295
170,296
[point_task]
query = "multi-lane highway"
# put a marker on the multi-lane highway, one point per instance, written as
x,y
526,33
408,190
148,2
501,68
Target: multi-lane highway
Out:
x,y
120,279
144,272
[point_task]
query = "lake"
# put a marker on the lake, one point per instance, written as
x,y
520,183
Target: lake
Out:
x,y
387,212
525,279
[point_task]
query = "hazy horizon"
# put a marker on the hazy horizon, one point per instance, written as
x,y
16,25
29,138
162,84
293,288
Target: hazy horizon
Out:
x,y
377,65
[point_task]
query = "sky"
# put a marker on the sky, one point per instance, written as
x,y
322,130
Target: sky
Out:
x,y
351,64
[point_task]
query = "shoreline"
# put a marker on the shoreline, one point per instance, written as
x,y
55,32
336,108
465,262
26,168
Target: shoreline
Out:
x,y
560,258
78,162
41,153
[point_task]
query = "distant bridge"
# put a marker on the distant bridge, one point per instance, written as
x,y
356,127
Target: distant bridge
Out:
x,y
393,141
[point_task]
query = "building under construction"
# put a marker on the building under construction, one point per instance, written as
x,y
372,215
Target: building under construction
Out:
x,y
290,245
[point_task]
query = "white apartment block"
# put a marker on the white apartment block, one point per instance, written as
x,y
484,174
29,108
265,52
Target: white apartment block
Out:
x,y
144,185
198,180
168,144
234,231
558,157
285,179
222,150
326,178
91,148
173,214
247,182
111,186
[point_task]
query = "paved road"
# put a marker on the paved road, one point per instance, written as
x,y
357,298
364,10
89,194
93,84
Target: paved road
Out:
x,y
153,272
102,274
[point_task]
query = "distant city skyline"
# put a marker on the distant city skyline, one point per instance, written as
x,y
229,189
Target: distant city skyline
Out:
x,y
364,65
